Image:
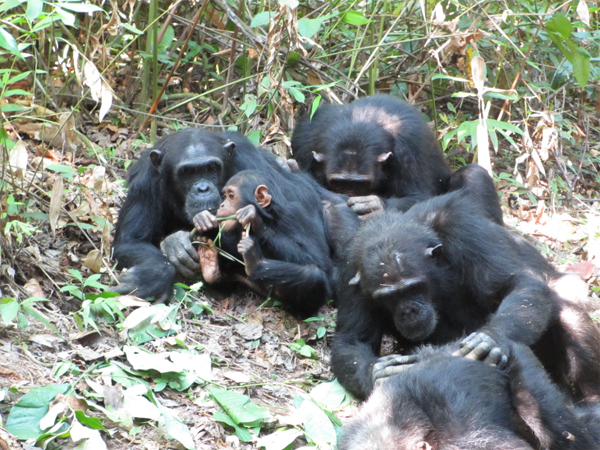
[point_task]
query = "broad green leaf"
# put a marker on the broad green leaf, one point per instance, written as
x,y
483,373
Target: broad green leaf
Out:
x,y
580,59
9,308
12,92
240,408
91,422
66,17
441,76
9,43
242,433
176,429
331,395
255,136
24,418
10,4
321,332
261,19
355,18
309,27
61,168
317,426
12,108
34,9
500,125
560,24
131,28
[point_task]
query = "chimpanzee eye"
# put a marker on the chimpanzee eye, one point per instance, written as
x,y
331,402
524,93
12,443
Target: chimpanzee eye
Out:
x,y
212,168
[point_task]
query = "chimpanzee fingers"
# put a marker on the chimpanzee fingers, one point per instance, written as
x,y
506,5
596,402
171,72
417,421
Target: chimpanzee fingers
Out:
x,y
205,221
246,214
497,358
470,342
387,366
365,205
179,251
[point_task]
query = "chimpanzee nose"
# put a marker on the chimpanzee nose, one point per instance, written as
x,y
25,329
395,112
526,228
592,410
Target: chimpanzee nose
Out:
x,y
202,187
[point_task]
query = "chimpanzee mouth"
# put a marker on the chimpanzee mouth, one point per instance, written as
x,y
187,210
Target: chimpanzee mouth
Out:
x,y
193,208
419,327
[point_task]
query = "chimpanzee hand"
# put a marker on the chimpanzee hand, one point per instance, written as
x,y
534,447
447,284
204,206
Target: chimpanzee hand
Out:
x,y
209,261
181,253
147,280
481,346
389,365
248,215
366,206
250,252
204,221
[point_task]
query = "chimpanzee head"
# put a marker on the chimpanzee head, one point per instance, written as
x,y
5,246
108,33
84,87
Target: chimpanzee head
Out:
x,y
193,166
356,154
400,271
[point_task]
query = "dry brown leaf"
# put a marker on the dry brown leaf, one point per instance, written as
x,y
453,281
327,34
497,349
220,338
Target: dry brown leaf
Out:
x,y
34,289
93,260
106,238
55,203
477,72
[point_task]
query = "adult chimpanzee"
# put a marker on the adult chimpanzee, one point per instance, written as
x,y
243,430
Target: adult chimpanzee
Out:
x,y
286,245
450,403
375,148
180,176
442,270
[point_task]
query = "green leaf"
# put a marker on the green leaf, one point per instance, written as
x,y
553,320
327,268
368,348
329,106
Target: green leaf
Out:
x,y
61,168
66,17
11,92
560,24
9,308
309,27
580,60
10,4
441,76
9,43
176,429
261,19
34,9
321,332
240,408
131,28
221,416
317,426
355,18
500,125
74,272
314,106
254,136
24,418
331,395
279,440
91,422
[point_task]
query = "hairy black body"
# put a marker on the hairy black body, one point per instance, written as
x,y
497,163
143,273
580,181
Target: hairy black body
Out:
x,y
443,270
293,234
181,175
377,150
449,403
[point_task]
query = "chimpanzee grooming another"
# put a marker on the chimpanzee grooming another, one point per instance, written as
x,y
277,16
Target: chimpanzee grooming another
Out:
x,y
449,403
286,245
180,176
375,148
442,270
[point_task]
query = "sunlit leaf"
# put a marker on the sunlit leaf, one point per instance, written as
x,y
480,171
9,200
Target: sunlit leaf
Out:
x,y
355,18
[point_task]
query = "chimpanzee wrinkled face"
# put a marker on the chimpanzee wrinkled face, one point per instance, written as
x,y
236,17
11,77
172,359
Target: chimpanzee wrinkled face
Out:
x,y
353,164
196,175
398,273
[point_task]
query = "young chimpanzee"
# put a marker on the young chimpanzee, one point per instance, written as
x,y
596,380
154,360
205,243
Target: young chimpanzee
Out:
x,y
288,244
180,176
442,270
378,150
449,403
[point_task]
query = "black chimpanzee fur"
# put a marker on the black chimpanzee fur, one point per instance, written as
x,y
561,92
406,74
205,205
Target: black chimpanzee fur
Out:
x,y
181,175
443,270
446,402
377,145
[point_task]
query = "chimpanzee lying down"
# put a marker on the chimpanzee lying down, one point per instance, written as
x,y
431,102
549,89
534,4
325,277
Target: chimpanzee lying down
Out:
x,y
442,271
286,232
445,402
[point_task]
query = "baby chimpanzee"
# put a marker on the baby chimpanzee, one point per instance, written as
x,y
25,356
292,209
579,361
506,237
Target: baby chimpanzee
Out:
x,y
284,231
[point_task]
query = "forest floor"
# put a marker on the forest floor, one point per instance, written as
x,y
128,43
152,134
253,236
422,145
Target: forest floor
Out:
x,y
200,345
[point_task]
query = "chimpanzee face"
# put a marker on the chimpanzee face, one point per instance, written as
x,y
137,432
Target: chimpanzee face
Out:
x,y
195,175
398,274
354,161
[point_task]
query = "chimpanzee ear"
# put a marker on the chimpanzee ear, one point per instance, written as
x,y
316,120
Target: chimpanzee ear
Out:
x,y
229,146
318,157
437,221
435,252
384,157
355,280
156,157
262,196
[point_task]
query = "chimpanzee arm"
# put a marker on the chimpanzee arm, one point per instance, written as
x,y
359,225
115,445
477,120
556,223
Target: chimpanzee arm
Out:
x,y
303,287
542,406
523,316
150,274
356,344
